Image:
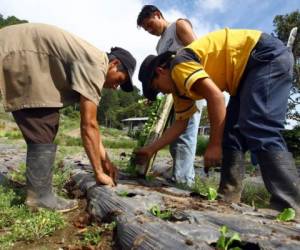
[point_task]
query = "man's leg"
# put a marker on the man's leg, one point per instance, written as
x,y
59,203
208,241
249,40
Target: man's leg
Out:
x,y
39,127
232,168
264,99
183,152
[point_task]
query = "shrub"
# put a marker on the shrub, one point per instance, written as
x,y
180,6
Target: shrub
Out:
x,y
202,142
292,138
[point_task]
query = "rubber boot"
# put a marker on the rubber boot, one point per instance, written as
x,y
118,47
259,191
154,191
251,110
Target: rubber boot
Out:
x,y
39,172
281,179
232,175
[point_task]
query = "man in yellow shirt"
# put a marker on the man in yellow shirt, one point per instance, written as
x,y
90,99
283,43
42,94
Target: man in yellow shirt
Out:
x,y
256,70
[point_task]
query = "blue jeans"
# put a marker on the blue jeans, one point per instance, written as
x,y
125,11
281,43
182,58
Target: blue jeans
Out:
x,y
183,150
255,116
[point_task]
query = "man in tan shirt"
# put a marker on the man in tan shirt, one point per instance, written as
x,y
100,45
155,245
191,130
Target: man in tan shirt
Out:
x,y
44,68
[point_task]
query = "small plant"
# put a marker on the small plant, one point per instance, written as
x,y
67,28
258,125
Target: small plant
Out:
x,y
122,193
18,175
226,239
92,236
162,214
205,188
131,167
150,178
287,214
152,118
19,224
211,194
255,195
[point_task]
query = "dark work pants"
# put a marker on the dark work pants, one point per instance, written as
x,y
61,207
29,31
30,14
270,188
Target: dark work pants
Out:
x,y
255,116
38,125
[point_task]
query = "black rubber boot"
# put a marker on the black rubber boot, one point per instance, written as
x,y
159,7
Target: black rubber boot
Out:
x,y
281,179
39,172
232,175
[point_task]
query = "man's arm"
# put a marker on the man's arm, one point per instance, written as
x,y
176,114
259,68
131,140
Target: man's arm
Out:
x,y
185,32
91,139
216,112
144,154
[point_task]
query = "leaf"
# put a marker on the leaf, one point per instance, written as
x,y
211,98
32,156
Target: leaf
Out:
x,y
212,194
155,210
234,237
122,193
223,230
221,242
287,214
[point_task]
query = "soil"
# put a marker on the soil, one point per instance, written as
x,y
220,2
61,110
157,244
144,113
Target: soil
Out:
x,y
69,237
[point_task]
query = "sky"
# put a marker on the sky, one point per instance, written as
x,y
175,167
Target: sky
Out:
x,y
108,23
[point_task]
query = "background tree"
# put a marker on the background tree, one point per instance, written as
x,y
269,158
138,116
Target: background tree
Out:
x,y
10,20
283,25
116,105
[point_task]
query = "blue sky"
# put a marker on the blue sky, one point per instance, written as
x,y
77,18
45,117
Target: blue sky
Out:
x,y
252,14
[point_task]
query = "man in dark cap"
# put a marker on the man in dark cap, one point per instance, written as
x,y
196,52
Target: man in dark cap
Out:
x,y
42,69
256,70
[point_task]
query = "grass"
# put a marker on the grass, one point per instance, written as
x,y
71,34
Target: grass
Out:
x,y
93,234
202,184
124,143
255,195
17,223
13,134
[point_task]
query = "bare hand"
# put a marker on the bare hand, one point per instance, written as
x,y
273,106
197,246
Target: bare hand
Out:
x,y
111,170
212,156
142,155
104,179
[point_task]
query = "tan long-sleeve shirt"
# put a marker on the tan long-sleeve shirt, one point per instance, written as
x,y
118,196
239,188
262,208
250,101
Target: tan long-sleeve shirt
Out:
x,y
44,66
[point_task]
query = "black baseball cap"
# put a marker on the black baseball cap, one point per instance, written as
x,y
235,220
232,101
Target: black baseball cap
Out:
x,y
128,62
146,74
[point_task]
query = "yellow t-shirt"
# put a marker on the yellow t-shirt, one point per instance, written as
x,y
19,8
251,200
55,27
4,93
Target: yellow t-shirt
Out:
x,y
221,55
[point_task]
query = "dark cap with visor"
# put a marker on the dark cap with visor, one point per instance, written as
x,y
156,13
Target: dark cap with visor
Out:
x,y
128,62
146,75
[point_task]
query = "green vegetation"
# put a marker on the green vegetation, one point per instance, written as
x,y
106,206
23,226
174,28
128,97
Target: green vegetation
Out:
x,y
283,25
116,105
14,134
255,195
10,20
227,238
206,187
19,174
287,214
202,142
122,193
162,214
292,138
17,223
123,143
93,235
152,117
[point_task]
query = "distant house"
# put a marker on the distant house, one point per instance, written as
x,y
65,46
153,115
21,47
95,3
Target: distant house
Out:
x,y
204,130
134,123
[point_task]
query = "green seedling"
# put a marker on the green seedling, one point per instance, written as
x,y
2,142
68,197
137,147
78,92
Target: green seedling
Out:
x,y
287,214
211,194
226,239
150,178
122,193
162,214
205,188
17,223
92,236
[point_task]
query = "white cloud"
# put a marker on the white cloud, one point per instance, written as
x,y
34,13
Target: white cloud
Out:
x,y
212,5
